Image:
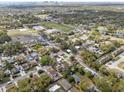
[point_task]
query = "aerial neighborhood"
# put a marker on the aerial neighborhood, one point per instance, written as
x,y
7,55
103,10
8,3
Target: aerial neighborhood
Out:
x,y
62,49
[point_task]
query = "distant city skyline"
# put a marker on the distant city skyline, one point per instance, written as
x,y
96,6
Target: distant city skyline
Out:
x,y
63,0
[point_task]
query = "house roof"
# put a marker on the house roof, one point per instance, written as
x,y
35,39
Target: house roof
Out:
x,y
34,54
25,66
73,89
29,58
54,88
77,47
52,72
65,84
38,27
101,28
52,31
14,70
68,50
77,79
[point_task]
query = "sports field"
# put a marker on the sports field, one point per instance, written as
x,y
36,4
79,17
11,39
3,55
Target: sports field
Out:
x,y
61,27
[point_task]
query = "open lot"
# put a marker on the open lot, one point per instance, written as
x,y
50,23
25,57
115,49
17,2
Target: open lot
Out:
x,y
17,32
24,35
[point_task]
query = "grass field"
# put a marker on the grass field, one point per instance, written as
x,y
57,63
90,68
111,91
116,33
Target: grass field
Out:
x,y
17,32
57,26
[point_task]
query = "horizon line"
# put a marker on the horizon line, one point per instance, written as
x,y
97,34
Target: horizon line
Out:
x,y
72,1
88,1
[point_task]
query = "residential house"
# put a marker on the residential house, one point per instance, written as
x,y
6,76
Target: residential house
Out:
x,y
105,59
41,39
84,37
102,30
29,58
119,34
54,88
76,78
33,63
52,31
38,28
9,86
34,55
7,72
95,50
62,66
53,73
73,89
118,51
26,66
65,84
14,71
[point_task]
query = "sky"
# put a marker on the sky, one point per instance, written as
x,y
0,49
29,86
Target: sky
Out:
x,y
67,0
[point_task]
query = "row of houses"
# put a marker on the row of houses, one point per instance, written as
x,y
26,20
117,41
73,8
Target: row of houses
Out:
x,y
19,63
105,31
111,55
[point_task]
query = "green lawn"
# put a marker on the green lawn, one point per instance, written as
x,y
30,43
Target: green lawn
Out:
x,y
58,26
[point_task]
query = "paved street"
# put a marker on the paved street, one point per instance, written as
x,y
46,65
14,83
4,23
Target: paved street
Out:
x,y
86,67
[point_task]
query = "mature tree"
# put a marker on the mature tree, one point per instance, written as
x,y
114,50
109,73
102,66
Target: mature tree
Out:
x,y
81,71
40,71
103,70
1,75
73,49
78,42
1,49
55,50
118,86
4,37
107,48
65,74
24,85
88,74
58,40
112,79
12,48
72,58
71,79
83,86
8,65
103,84
87,56
37,46
64,45
47,60
33,84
